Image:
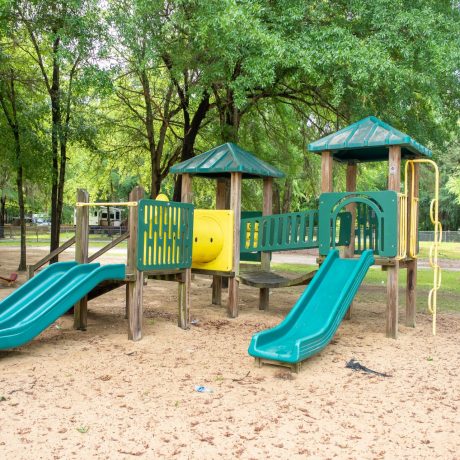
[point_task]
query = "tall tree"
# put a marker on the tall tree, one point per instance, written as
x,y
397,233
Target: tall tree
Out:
x,y
60,37
9,105
148,110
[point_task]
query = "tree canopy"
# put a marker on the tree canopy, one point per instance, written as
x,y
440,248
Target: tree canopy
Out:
x,y
112,94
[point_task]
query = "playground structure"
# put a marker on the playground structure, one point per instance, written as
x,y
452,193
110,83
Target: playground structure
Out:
x,y
373,140
168,240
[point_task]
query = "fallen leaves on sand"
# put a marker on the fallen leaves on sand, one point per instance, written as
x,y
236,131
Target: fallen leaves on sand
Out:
x,y
82,429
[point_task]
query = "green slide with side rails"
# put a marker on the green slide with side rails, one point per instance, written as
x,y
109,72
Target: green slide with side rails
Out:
x,y
43,299
315,317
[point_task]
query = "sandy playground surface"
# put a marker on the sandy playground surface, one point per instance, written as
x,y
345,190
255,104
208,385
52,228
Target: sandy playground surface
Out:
x,y
94,394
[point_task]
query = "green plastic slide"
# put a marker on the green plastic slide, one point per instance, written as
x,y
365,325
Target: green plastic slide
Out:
x,y
44,298
315,317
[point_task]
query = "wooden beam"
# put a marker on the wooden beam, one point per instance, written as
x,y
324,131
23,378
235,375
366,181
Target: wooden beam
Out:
x,y
351,177
394,183
235,205
221,203
392,301
185,284
80,318
411,279
33,268
327,164
394,168
267,210
135,288
109,246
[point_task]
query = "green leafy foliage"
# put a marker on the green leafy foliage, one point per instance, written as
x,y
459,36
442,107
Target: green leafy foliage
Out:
x,y
156,82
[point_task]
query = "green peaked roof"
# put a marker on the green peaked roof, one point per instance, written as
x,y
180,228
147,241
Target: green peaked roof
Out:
x,y
225,159
368,140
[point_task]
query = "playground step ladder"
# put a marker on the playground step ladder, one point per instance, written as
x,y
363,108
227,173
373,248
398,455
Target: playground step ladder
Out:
x,y
434,216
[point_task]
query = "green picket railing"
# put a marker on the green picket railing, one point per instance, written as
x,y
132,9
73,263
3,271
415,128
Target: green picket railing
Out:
x,y
283,232
165,235
367,229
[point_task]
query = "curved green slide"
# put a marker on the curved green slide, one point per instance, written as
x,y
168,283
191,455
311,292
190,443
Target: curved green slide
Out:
x,y
315,317
43,299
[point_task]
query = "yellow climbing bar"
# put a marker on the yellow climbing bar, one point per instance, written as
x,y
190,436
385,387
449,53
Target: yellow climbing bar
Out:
x,y
402,240
434,216
413,206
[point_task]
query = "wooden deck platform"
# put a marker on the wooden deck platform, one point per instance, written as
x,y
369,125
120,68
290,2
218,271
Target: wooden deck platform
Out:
x,y
271,280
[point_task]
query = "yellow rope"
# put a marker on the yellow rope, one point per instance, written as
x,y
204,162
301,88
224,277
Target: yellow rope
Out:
x,y
434,217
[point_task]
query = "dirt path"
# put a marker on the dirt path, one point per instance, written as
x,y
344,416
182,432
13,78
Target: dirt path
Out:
x,y
94,394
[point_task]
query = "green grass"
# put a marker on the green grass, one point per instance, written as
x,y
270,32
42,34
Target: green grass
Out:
x,y
446,250
95,240
448,295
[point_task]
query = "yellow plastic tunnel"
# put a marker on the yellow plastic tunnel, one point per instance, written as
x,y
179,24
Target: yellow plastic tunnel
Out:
x,y
208,239
213,240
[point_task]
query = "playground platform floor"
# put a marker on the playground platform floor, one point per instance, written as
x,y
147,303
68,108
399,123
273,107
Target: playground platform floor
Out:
x,y
94,394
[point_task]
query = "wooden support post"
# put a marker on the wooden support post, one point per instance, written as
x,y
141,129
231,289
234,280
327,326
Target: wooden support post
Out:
x,y
221,203
267,210
411,280
186,281
394,183
327,164
135,287
80,318
183,320
235,206
352,173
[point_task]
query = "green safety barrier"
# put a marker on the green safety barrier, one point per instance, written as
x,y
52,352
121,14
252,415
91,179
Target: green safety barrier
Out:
x,y
283,232
376,225
367,233
165,235
249,256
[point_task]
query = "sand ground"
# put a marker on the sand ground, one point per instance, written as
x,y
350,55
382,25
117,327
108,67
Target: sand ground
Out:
x,y
94,394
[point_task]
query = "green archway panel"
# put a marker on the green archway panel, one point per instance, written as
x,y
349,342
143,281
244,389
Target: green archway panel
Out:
x,y
377,218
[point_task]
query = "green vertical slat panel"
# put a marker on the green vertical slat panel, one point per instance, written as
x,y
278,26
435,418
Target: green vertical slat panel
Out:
x,y
303,227
311,227
165,232
248,250
281,234
294,229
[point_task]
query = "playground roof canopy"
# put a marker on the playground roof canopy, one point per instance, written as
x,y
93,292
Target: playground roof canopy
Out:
x,y
225,159
368,140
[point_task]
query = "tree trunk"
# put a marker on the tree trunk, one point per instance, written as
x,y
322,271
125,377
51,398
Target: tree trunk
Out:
x,y
230,119
2,216
56,181
155,176
19,183
276,199
287,197
12,119
191,131
22,221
